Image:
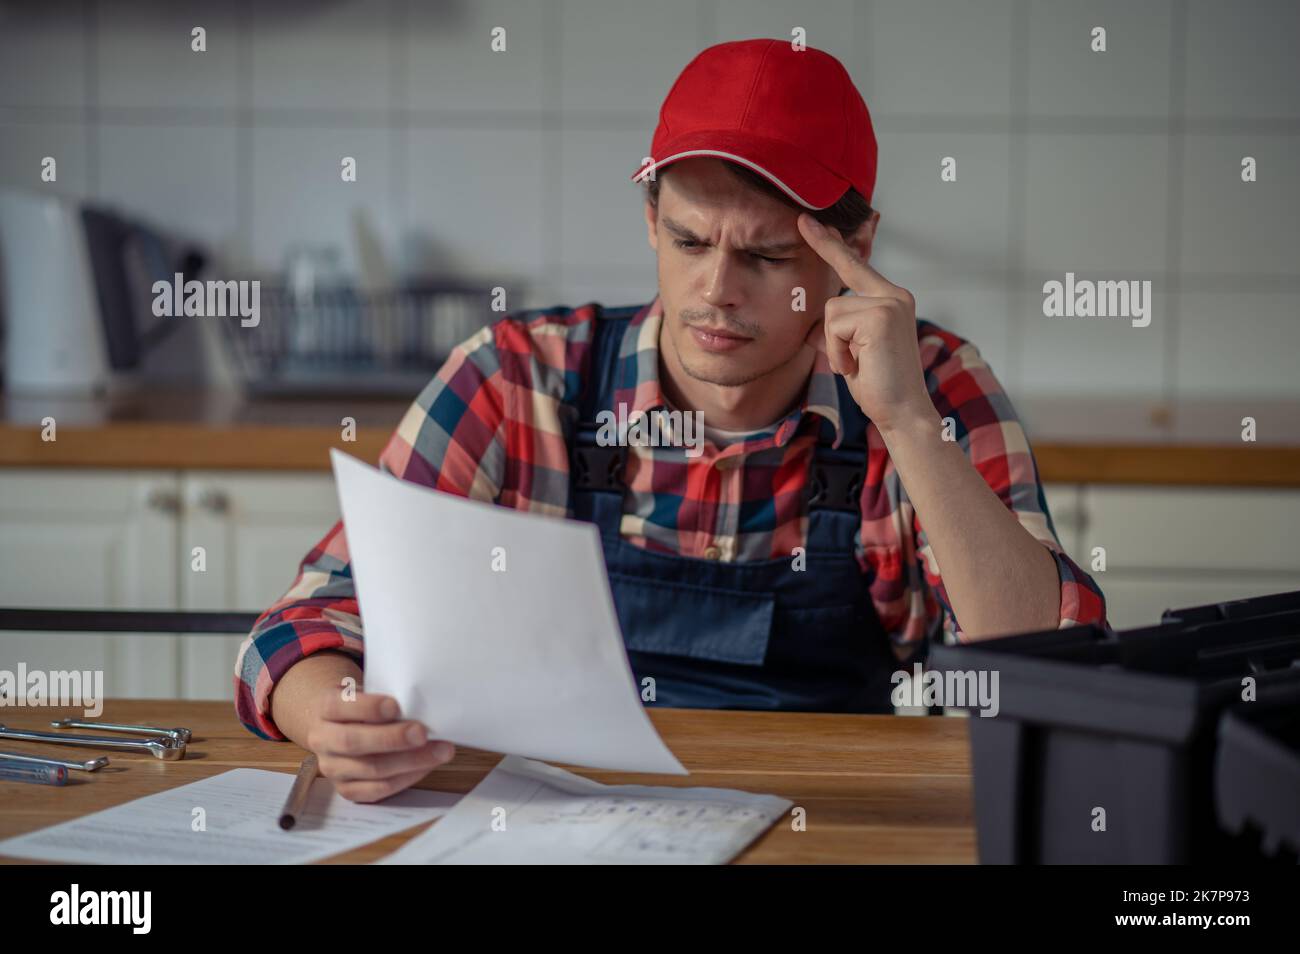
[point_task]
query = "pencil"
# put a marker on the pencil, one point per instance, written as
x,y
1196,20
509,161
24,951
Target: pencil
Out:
x,y
297,800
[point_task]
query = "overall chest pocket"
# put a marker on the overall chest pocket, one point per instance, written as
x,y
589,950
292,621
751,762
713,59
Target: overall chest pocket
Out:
x,y
699,622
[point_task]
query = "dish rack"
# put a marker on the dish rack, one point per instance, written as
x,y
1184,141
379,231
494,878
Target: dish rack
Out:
x,y
343,341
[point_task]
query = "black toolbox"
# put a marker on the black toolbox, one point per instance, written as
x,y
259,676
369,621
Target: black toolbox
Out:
x,y
1103,747
1257,776
1236,609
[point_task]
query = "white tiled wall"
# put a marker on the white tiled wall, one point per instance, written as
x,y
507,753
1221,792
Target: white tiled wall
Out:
x,y
444,72
26,140
1103,358
1250,334
192,189
298,194
1243,58
934,232
1234,226
145,60
329,56
939,59
475,192
1067,79
515,166
43,61
1096,203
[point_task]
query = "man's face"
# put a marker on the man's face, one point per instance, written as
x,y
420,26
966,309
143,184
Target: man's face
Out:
x,y
730,259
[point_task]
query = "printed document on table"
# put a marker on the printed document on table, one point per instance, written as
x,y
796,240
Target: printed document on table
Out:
x,y
494,628
239,824
525,812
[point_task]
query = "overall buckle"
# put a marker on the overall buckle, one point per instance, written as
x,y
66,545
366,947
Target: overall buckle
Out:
x,y
598,468
833,486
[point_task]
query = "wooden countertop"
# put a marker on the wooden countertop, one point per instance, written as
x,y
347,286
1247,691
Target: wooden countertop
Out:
x,y
1112,440
877,789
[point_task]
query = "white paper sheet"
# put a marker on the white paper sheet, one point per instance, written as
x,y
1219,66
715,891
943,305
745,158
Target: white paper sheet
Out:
x,y
525,812
528,659
241,812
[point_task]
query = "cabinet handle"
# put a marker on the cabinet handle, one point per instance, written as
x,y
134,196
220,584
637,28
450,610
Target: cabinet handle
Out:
x,y
214,501
163,500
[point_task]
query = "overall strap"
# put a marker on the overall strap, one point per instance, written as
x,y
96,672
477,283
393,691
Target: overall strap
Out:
x,y
838,473
596,472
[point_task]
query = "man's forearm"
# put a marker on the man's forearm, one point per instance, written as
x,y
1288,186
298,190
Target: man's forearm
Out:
x,y
298,693
998,578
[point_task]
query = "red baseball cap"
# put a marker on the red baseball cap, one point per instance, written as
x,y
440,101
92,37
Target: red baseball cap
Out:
x,y
792,115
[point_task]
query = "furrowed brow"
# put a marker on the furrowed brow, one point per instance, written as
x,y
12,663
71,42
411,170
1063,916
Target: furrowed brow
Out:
x,y
762,248
773,248
679,230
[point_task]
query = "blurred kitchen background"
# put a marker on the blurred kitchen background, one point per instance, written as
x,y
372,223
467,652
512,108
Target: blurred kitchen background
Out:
x,y
479,169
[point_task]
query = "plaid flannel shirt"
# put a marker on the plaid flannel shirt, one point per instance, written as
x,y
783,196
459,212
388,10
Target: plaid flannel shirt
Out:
x,y
491,425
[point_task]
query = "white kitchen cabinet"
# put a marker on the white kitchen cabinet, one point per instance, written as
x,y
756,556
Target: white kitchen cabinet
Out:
x,y
108,539
1138,599
91,540
1065,504
1194,528
254,530
125,539
1168,547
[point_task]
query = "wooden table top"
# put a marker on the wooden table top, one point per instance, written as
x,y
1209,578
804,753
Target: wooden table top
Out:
x,y
1103,441
877,788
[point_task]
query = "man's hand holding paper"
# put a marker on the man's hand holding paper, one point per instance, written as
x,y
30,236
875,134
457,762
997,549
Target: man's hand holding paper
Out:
x,y
494,629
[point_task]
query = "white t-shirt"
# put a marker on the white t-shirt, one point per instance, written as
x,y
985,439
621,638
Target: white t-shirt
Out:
x,y
722,438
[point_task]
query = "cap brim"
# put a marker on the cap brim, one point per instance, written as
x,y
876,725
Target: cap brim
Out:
x,y
785,166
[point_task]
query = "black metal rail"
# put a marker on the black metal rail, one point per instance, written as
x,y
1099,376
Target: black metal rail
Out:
x,y
125,621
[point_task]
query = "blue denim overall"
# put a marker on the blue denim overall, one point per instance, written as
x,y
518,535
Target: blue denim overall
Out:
x,y
740,635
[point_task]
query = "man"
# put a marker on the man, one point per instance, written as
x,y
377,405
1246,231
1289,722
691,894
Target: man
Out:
x,y
864,485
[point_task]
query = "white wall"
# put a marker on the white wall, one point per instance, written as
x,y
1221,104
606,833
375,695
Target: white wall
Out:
x,y
516,166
